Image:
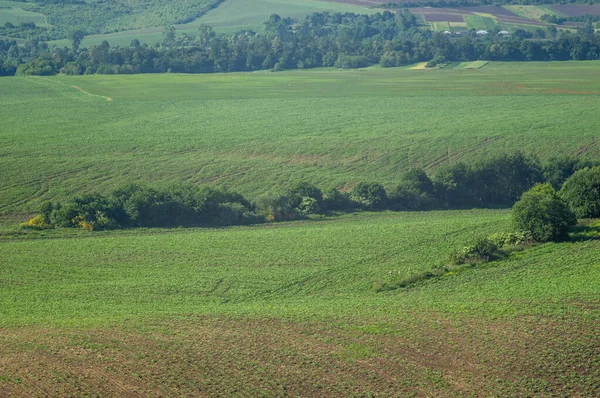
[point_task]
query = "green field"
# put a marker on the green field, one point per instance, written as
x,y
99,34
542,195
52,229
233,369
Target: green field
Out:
x,y
533,12
289,309
11,12
255,132
479,23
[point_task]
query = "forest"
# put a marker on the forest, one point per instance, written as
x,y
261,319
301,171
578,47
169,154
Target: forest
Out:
x,y
320,40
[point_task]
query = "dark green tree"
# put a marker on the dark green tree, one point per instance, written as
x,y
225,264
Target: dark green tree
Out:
x,y
582,192
542,212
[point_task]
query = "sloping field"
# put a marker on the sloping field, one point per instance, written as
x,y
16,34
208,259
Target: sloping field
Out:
x,y
288,309
254,132
10,12
482,17
233,15
576,10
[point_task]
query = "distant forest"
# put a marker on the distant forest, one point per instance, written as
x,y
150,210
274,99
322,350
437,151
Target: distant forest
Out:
x,y
319,40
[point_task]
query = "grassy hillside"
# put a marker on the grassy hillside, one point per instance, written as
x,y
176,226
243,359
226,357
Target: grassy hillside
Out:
x,y
256,132
288,309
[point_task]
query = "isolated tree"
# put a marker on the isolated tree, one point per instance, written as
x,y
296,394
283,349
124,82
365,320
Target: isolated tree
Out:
x,y
542,212
582,192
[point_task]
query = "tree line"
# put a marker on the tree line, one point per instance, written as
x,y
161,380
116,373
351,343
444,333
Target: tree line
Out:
x,y
319,40
496,182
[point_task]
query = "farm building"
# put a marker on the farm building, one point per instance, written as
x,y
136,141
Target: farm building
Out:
x,y
481,32
503,33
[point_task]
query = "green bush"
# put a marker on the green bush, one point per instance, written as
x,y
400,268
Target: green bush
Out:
x,y
512,238
582,192
542,212
480,250
370,195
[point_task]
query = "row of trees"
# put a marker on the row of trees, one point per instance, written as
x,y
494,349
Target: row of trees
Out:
x,y
322,39
497,182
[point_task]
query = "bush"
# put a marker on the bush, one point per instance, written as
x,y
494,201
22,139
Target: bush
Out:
x,y
370,195
482,249
410,199
276,208
305,198
582,192
542,212
337,201
512,238
39,222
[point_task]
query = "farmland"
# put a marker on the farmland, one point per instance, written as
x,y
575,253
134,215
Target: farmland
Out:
x,y
289,308
255,132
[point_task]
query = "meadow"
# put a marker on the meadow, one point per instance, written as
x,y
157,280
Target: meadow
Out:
x,y
256,132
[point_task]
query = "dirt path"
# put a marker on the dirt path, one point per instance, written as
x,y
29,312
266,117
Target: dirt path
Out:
x,y
75,87
90,94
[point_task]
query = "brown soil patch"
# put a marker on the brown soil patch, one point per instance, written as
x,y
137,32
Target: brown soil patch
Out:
x,y
426,355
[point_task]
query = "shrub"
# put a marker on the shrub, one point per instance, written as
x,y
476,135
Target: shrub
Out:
x,y
308,206
370,195
410,199
512,238
542,212
582,192
39,222
276,208
481,249
337,201
306,198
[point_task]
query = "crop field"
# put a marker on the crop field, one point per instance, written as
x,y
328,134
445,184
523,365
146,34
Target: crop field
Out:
x,y
234,15
256,132
288,309
10,12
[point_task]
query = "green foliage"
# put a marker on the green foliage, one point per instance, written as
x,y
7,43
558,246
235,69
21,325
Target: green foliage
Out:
x,y
351,61
511,238
480,250
276,208
358,128
336,200
370,195
305,197
542,212
582,192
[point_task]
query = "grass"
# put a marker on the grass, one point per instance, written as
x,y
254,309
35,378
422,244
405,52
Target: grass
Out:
x,y
472,65
440,26
289,309
256,132
532,12
11,13
479,22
